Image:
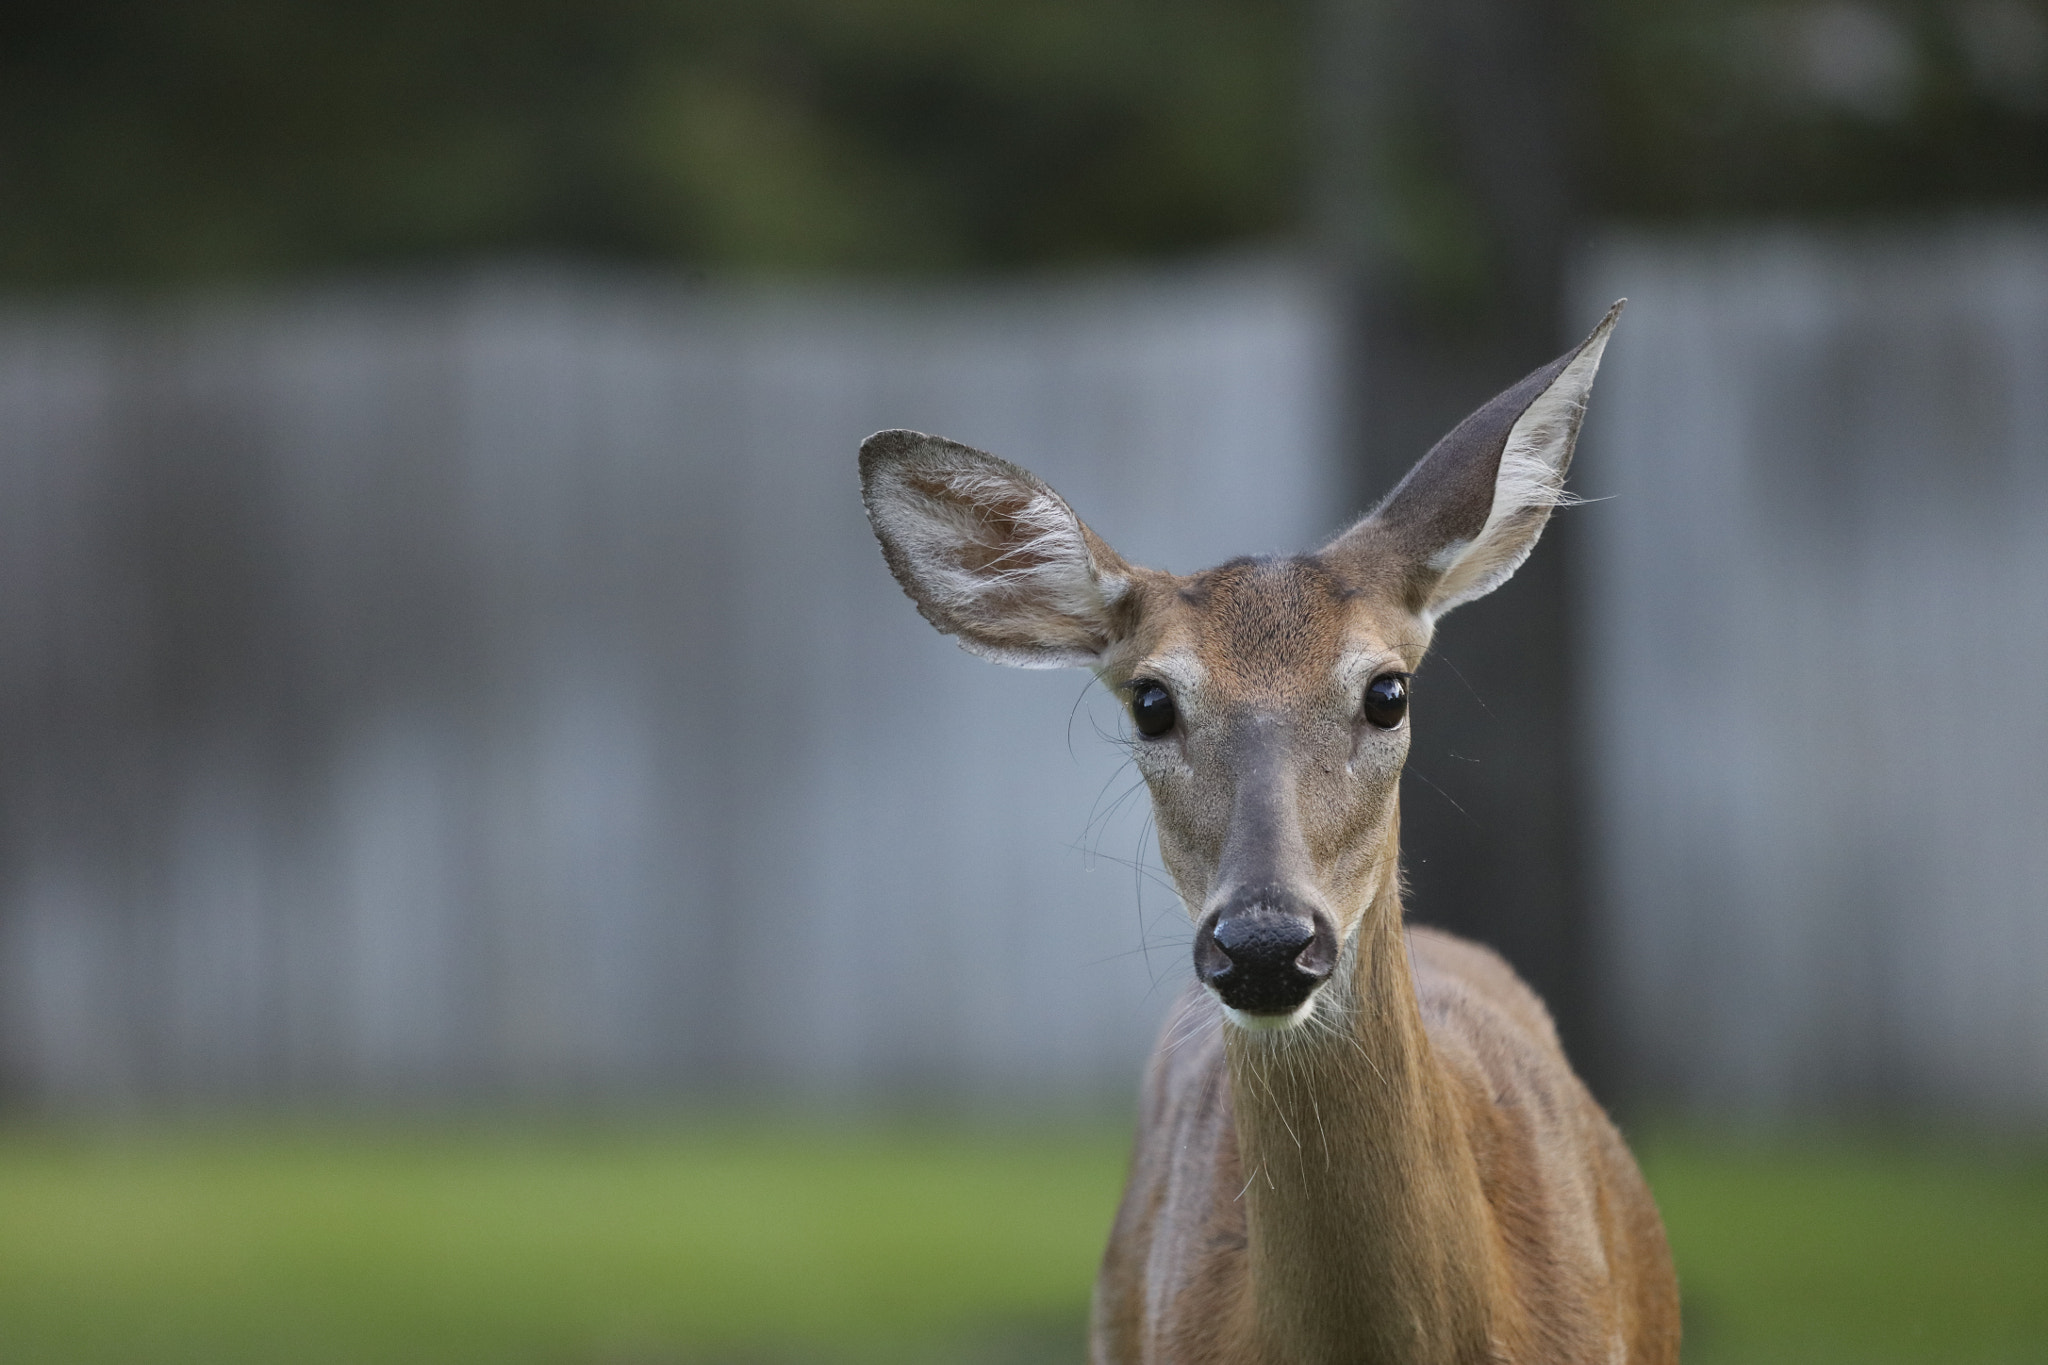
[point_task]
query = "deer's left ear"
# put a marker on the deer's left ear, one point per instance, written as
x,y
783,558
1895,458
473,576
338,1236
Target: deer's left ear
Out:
x,y
1469,512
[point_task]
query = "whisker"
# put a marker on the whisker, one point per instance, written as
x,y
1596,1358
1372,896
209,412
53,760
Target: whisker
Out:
x,y
1095,806
1280,1112
1157,982
1116,806
1096,812
1142,869
1201,1028
1439,654
1123,953
1418,775
1072,712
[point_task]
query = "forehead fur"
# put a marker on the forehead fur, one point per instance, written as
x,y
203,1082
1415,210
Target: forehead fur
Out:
x,y
1254,616
1257,622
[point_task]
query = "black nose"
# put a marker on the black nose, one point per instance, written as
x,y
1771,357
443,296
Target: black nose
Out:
x,y
1264,954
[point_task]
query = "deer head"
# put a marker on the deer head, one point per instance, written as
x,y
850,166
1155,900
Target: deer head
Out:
x,y
1269,697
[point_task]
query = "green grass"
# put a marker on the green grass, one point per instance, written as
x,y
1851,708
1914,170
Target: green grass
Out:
x,y
562,1249
1856,1250
764,1243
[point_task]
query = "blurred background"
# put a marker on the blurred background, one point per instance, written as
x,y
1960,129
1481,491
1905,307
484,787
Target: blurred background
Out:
x,y
492,869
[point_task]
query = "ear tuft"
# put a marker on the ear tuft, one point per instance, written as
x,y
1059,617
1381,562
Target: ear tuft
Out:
x,y
989,553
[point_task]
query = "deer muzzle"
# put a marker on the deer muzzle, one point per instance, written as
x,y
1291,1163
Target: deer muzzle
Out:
x,y
1264,952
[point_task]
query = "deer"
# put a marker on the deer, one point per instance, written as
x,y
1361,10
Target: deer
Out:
x,y
1359,1138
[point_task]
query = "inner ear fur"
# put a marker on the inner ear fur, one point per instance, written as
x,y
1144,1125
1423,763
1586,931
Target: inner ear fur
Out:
x,y
1469,512
990,553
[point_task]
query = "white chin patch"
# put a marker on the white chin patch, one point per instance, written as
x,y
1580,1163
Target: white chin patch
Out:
x,y
1269,1023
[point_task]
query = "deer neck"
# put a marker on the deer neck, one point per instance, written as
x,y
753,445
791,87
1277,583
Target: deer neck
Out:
x,y
1369,1238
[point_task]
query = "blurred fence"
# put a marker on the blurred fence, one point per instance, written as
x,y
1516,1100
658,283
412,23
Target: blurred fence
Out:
x,y
1819,602
492,690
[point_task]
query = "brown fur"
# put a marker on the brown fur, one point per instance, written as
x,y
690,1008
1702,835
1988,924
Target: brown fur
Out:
x,y
1517,1230
1430,1184
1405,1168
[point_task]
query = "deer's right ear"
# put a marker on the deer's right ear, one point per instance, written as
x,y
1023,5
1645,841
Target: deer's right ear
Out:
x,y
990,554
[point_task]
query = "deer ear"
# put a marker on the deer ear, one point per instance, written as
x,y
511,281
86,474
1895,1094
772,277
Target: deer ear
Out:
x,y
1469,512
990,554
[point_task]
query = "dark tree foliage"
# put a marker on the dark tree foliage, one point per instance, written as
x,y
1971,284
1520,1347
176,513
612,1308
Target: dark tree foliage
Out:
x,y
145,139
175,139
1830,107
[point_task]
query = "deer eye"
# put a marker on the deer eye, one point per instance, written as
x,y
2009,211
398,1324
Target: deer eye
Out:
x,y
1151,709
1386,700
